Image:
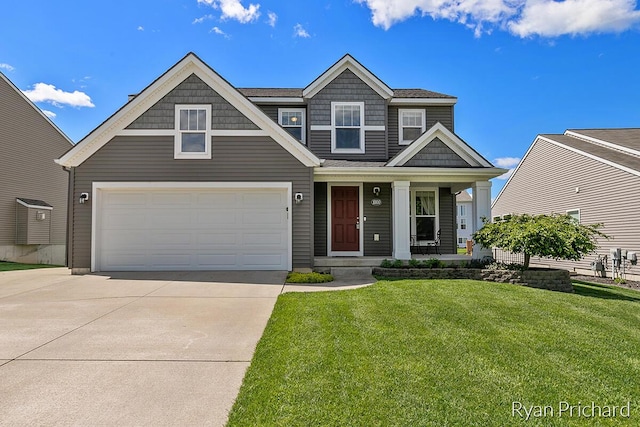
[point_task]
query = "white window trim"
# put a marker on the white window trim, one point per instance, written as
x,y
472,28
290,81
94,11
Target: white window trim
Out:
x,y
401,111
177,152
575,210
303,124
333,129
412,210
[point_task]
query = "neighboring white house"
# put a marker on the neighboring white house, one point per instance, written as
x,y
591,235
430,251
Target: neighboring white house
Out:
x,y
464,217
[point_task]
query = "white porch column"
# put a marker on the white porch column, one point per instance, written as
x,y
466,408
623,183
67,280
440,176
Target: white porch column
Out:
x,y
400,214
481,207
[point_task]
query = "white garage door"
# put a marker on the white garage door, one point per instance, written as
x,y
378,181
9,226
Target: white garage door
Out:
x,y
192,229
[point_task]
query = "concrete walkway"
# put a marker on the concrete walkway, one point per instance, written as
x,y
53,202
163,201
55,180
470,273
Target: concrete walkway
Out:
x,y
132,349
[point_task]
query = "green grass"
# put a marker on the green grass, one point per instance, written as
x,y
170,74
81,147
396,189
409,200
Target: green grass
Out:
x,y
11,266
462,251
442,353
313,277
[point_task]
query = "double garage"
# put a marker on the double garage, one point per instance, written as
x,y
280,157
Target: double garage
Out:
x,y
191,226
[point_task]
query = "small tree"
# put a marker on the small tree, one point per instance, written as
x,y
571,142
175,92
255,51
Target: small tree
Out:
x,y
553,236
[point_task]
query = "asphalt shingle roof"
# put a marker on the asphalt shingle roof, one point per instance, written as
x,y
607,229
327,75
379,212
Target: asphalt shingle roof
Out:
x,y
274,92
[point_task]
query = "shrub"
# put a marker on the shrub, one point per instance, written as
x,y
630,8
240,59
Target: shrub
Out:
x,y
397,264
505,266
415,263
386,263
433,263
295,277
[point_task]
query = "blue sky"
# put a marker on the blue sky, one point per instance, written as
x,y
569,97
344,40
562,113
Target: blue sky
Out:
x,y
518,67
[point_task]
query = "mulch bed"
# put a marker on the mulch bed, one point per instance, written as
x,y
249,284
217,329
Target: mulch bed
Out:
x,y
630,284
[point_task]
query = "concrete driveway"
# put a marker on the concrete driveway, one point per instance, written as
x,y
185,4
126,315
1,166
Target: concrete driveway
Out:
x,y
128,349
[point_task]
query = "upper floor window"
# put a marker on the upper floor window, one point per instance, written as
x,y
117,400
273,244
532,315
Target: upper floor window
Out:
x,y
462,210
347,127
411,124
192,140
292,119
463,223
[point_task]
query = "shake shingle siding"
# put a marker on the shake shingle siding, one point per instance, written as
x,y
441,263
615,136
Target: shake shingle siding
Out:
x,y
436,154
234,159
193,91
547,182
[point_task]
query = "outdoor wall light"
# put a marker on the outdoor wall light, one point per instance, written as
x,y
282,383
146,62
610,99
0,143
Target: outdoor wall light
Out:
x,y
376,191
298,197
83,197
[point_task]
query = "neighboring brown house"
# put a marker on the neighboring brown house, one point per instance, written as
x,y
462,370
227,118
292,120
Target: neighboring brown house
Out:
x,y
33,189
591,174
195,174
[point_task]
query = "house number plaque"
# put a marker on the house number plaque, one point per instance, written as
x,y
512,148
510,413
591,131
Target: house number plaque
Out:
x,y
376,202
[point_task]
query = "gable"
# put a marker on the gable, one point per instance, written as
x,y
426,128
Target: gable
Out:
x,y
193,91
437,154
347,87
118,123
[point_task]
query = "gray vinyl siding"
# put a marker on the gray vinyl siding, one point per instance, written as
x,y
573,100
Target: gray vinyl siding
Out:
x,y
546,182
319,142
22,224
378,221
448,230
320,219
29,144
442,114
255,159
437,154
193,91
30,230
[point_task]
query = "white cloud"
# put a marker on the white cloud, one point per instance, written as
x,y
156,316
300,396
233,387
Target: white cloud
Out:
x,y
272,19
219,32
299,31
233,9
43,92
49,114
506,163
202,19
7,67
140,28
551,18
524,18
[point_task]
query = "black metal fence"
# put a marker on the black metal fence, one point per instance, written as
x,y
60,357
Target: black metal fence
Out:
x,y
507,257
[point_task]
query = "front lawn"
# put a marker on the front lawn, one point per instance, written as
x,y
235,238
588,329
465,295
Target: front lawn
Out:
x,y
10,266
443,352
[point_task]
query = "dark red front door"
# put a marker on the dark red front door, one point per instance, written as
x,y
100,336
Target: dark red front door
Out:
x,y
345,213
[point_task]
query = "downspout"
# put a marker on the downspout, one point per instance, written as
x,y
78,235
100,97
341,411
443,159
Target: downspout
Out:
x,y
69,240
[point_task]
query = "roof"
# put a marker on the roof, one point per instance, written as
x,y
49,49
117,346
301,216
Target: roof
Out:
x,y
284,92
617,147
33,203
190,64
463,196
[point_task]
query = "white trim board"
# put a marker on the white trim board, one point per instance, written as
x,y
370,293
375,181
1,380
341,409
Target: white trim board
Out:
x,y
348,62
190,64
48,208
98,187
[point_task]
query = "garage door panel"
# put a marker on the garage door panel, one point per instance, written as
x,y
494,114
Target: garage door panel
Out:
x,y
193,229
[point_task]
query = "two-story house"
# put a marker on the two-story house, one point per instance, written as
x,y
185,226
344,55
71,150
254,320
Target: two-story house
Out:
x,y
195,174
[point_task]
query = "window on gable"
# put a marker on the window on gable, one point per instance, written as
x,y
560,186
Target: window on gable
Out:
x,y
292,119
347,131
575,214
192,140
411,124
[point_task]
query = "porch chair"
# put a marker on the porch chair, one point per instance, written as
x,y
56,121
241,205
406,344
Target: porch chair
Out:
x,y
435,244
416,246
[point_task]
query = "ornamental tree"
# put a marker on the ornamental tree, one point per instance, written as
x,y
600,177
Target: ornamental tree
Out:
x,y
547,236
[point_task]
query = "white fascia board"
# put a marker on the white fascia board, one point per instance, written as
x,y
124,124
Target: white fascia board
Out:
x,y
190,64
275,100
424,101
448,138
602,142
348,62
48,208
35,107
383,174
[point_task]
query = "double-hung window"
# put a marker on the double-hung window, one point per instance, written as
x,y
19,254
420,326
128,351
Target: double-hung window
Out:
x,y
347,127
463,223
424,218
193,124
411,124
292,119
